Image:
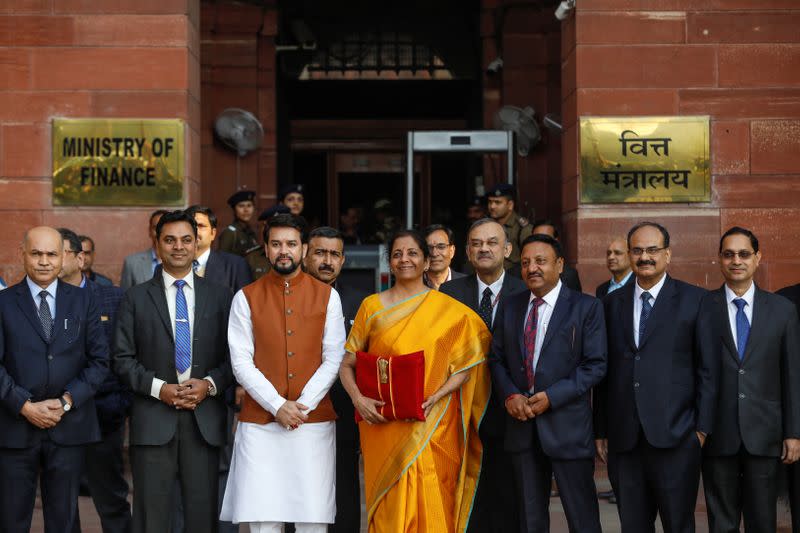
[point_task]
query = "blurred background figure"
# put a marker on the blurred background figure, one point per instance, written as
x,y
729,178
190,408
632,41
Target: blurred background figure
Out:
x,y
139,267
292,197
239,237
87,244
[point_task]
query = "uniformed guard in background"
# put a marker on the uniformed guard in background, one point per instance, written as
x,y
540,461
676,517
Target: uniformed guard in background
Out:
x,y
292,196
239,237
501,208
256,256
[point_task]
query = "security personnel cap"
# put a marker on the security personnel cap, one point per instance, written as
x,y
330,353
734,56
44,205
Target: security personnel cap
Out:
x,y
479,201
241,196
286,190
503,189
270,212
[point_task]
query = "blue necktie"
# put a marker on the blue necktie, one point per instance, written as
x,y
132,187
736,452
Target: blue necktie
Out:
x,y
183,337
645,314
742,327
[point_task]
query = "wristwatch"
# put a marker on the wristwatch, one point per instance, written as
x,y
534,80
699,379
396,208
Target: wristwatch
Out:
x,y
212,390
65,405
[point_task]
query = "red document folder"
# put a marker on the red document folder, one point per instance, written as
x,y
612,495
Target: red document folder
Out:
x,y
396,380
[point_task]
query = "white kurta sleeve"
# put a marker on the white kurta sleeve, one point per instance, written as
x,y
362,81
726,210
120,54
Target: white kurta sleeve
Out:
x,y
240,340
333,339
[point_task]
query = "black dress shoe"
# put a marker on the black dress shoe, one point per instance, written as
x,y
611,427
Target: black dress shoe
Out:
x,y
605,494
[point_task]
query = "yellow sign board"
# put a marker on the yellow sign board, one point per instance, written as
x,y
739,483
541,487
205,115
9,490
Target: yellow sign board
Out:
x,y
645,159
123,162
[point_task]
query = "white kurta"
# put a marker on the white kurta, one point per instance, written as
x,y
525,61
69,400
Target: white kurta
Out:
x,y
280,475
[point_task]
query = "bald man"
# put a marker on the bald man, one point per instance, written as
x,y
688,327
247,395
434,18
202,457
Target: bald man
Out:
x,y
53,357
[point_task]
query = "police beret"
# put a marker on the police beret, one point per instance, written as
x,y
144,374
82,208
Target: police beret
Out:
x,y
478,200
288,189
270,212
241,196
502,189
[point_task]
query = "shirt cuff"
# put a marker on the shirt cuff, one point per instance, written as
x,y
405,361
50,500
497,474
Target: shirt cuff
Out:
x,y
155,388
213,391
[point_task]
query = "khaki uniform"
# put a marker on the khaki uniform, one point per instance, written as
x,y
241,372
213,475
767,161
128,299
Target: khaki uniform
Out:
x,y
518,229
237,239
257,261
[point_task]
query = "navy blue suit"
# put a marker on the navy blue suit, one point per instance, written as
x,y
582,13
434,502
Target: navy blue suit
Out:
x,y
654,399
227,270
559,441
74,360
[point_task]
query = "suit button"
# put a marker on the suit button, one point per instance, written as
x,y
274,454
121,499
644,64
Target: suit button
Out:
x,y
290,354
636,385
291,376
637,357
286,292
289,333
49,357
741,371
742,396
522,369
288,311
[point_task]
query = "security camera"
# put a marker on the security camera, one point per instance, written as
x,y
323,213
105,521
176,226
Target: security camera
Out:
x,y
495,66
564,8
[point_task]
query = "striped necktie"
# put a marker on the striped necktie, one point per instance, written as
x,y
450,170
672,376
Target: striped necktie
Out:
x,y
530,339
183,337
645,314
742,327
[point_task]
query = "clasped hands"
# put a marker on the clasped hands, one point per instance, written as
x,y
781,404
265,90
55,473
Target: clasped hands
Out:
x,y
186,395
522,408
44,414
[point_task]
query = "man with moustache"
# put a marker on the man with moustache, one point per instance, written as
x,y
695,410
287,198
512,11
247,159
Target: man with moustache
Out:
x,y
217,267
104,461
286,366
171,349
442,249
53,357
140,267
257,256
324,261
619,264
657,403
548,351
756,337
495,509
569,275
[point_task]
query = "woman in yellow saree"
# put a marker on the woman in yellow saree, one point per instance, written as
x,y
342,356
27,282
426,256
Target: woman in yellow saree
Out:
x,y
421,476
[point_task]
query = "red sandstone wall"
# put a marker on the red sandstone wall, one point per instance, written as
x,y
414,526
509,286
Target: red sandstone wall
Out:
x,y
736,60
89,58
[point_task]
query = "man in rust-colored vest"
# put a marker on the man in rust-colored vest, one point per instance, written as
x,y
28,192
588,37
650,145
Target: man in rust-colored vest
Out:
x,y
286,335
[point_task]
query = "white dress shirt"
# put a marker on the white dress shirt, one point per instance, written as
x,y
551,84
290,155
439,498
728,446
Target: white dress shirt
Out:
x,y
495,287
543,319
637,303
240,340
51,296
748,297
171,291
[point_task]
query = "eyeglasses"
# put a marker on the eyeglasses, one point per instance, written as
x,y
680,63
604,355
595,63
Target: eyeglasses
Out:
x,y
651,250
744,255
441,247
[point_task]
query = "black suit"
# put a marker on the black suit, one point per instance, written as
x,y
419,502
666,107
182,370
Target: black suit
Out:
x,y
348,490
560,440
495,509
756,410
166,442
74,360
227,270
653,400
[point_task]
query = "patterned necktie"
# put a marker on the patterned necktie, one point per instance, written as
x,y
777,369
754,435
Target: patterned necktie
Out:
x,y
44,316
485,308
199,270
530,339
183,338
645,314
742,327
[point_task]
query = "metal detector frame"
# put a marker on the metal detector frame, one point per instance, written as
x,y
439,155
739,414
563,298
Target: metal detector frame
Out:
x,y
454,142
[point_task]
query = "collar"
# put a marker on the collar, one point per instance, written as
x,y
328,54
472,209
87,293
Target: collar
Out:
x,y
83,282
496,287
614,285
748,296
551,297
654,290
169,280
36,289
203,259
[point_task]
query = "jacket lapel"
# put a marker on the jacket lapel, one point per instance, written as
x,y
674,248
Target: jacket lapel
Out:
x,y
559,314
25,303
472,293
155,290
661,309
758,326
627,295
520,305
721,315
62,294
211,264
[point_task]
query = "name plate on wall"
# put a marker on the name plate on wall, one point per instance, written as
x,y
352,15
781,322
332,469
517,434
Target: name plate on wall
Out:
x,y
123,162
645,159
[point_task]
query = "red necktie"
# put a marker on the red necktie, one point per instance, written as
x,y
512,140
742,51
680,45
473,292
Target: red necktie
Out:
x,y
530,339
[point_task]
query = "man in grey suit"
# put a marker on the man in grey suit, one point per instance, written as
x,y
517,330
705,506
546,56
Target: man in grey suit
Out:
x,y
495,508
141,266
755,337
171,349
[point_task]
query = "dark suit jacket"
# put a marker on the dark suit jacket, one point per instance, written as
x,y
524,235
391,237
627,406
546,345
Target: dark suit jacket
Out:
x,y
667,385
112,399
792,293
465,290
228,270
144,348
572,361
75,360
602,290
768,376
